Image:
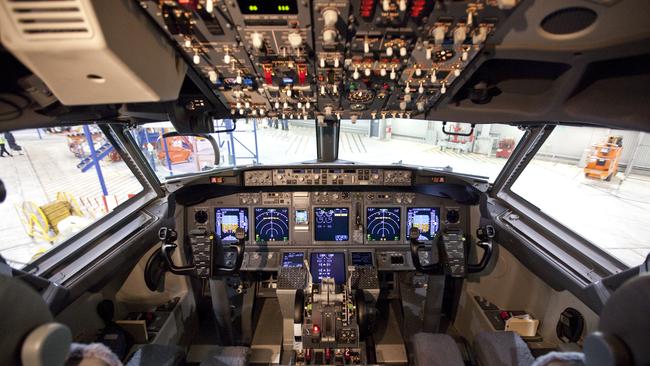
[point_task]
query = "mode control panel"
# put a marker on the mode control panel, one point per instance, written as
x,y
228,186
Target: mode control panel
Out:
x,y
285,177
328,177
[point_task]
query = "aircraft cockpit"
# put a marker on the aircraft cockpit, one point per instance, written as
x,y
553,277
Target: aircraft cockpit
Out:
x,y
324,182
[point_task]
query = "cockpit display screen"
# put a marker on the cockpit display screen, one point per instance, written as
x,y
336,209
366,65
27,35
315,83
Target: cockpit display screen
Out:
x,y
228,220
362,259
332,223
327,265
383,223
271,224
426,219
292,259
265,7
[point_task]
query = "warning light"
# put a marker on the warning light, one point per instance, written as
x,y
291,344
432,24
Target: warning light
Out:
x,y
315,329
216,180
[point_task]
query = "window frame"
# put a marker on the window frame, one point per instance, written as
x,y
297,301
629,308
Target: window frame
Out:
x,y
90,242
581,260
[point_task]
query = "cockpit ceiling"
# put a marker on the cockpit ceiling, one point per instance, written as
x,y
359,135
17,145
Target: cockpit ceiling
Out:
x,y
558,61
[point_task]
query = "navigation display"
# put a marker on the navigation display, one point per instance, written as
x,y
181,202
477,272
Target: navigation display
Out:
x,y
426,219
362,259
228,220
293,259
271,224
331,223
327,265
383,223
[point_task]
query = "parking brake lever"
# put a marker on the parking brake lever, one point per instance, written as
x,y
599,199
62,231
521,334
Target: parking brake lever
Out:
x,y
168,238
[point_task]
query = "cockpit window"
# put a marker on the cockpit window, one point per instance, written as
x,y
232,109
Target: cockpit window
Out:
x,y
480,151
58,181
595,182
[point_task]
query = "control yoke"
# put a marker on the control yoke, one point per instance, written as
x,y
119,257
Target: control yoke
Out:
x,y
238,249
485,234
434,266
168,237
204,264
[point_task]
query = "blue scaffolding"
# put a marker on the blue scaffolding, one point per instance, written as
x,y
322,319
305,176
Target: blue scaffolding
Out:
x,y
230,141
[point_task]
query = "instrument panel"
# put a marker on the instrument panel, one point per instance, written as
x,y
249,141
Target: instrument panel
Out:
x,y
326,220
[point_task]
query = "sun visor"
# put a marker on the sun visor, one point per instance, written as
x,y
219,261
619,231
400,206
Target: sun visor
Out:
x,y
92,51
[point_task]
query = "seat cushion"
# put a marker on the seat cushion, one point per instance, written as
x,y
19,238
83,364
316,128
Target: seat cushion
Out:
x,y
227,356
435,349
157,354
502,349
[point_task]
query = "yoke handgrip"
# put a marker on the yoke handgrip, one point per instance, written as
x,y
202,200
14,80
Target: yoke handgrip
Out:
x,y
168,236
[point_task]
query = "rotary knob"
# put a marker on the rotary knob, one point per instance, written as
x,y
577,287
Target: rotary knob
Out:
x,y
295,39
329,35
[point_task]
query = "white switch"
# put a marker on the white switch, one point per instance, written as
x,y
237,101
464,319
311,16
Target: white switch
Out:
x,y
393,75
418,72
226,58
355,74
366,47
402,5
322,62
367,72
402,51
389,51
427,53
213,76
385,5
209,6
382,71
460,33
439,35
258,40
433,77
421,89
196,59
336,62
464,55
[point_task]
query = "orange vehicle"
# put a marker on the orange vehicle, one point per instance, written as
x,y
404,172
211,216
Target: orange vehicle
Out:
x,y
179,149
603,161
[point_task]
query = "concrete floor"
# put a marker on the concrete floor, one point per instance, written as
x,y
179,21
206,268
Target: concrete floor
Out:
x,y
613,215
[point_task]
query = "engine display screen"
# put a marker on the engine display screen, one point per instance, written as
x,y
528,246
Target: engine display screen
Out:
x,y
228,220
332,223
327,265
268,6
271,224
426,219
362,259
293,259
383,223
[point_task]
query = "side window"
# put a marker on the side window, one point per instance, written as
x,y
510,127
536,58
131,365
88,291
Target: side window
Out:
x,y
595,182
58,182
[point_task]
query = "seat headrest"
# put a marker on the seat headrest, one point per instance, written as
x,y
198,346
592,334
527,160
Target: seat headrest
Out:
x,y
24,312
624,327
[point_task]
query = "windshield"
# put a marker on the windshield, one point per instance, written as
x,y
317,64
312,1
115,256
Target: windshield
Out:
x,y
481,151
